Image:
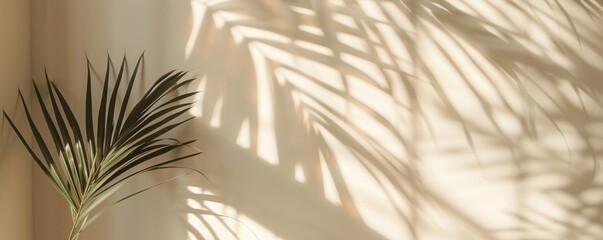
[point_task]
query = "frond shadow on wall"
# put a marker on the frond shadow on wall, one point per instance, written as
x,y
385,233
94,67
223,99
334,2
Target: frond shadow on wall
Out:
x,y
549,134
317,108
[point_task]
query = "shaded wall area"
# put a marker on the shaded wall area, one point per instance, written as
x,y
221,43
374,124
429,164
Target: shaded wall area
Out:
x,y
15,166
355,119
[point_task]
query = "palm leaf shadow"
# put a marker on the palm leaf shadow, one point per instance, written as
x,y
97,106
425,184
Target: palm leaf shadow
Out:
x,y
555,113
268,42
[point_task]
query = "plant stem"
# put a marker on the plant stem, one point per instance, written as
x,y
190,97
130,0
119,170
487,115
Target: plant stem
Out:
x,y
73,235
77,223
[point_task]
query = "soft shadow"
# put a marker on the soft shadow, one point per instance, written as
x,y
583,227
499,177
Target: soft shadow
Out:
x,y
364,119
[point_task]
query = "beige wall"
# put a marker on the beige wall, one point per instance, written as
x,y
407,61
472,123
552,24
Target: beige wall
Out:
x,y
15,164
354,119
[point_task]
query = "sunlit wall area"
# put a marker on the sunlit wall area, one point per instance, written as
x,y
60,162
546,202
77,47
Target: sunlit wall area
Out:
x,y
419,119
356,119
517,83
15,169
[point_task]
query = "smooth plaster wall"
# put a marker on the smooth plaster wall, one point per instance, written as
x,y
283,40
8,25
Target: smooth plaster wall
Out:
x,y
15,165
350,119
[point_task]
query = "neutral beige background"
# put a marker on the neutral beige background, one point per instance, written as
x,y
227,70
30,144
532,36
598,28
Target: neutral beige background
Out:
x,y
15,167
345,119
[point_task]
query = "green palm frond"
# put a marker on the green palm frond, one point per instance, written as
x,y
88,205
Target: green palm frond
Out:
x,y
88,165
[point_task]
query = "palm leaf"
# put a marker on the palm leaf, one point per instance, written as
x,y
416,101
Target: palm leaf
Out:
x,y
94,166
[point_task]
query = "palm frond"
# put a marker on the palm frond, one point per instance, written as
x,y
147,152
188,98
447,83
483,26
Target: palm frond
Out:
x,y
87,169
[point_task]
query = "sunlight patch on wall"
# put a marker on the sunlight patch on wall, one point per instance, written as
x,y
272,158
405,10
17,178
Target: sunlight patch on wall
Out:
x,y
319,73
352,41
372,202
372,71
303,10
372,97
259,231
221,18
311,30
205,222
215,220
197,109
330,190
317,96
241,33
195,190
198,8
216,115
314,47
266,146
300,176
244,136
345,20
400,18
545,46
373,10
